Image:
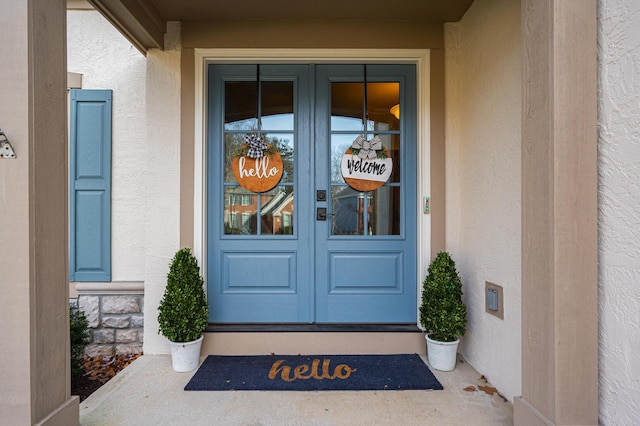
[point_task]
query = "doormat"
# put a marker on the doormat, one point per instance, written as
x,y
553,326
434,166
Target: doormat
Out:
x,y
313,373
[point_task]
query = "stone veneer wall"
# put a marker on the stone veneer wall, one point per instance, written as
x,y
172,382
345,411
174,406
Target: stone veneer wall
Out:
x,y
116,323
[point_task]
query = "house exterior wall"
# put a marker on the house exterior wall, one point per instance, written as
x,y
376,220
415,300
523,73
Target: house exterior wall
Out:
x,y
107,60
123,313
483,125
162,173
618,217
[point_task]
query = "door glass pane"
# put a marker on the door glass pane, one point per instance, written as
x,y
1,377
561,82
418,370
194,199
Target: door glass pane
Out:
x,y
392,143
241,105
240,207
365,213
276,211
340,142
284,144
232,146
384,211
347,106
277,105
381,100
347,208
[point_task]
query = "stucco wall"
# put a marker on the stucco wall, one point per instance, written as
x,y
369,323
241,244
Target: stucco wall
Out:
x,y
107,60
619,207
482,98
162,172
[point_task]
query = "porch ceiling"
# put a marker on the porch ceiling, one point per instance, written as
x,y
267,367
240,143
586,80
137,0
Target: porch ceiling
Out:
x,y
143,22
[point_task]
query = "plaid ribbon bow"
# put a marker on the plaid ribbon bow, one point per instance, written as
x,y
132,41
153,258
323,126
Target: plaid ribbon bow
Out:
x,y
256,146
367,148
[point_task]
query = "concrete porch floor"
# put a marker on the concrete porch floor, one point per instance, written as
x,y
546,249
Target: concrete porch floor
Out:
x,y
149,392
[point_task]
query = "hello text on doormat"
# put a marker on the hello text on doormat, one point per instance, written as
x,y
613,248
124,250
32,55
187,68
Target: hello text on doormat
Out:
x,y
313,373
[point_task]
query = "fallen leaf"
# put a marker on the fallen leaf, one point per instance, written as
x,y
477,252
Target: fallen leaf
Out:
x,y
470,388
491,391
488,389
484,379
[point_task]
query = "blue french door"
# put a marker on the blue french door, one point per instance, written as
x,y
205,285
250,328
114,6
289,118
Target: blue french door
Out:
x,y
312,249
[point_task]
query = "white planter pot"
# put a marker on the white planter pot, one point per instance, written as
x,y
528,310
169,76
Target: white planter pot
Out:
x,y
442,355
186,356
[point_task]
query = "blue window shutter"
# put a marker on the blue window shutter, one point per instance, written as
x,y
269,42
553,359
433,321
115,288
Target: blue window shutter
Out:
x,y
90,185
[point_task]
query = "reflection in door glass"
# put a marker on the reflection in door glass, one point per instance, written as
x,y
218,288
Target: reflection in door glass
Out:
x,y
240,206
276,211
276,112
348,207
284,144
241,105
392,143
384,211
347,106
382,98
365,213
233,143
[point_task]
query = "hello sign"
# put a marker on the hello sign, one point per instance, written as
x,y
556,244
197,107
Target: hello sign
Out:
x,y
258,170
366,165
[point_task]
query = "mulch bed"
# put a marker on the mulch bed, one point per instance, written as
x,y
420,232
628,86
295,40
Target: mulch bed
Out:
x,y
98,371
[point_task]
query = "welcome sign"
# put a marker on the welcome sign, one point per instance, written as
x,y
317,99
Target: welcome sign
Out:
x,y
366,165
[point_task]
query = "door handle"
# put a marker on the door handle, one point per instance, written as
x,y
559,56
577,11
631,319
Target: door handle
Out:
x,y
321,213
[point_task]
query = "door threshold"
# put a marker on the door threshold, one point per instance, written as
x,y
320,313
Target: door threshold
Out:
x,y
301,328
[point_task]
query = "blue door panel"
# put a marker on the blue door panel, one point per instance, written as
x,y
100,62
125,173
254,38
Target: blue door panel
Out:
x,y
365,273
259,273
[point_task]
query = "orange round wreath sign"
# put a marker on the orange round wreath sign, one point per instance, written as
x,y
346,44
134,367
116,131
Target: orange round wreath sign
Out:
x,y
258,174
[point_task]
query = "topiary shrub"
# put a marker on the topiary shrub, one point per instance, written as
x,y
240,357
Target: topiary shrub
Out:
x,y
79,337
442,312
183,311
